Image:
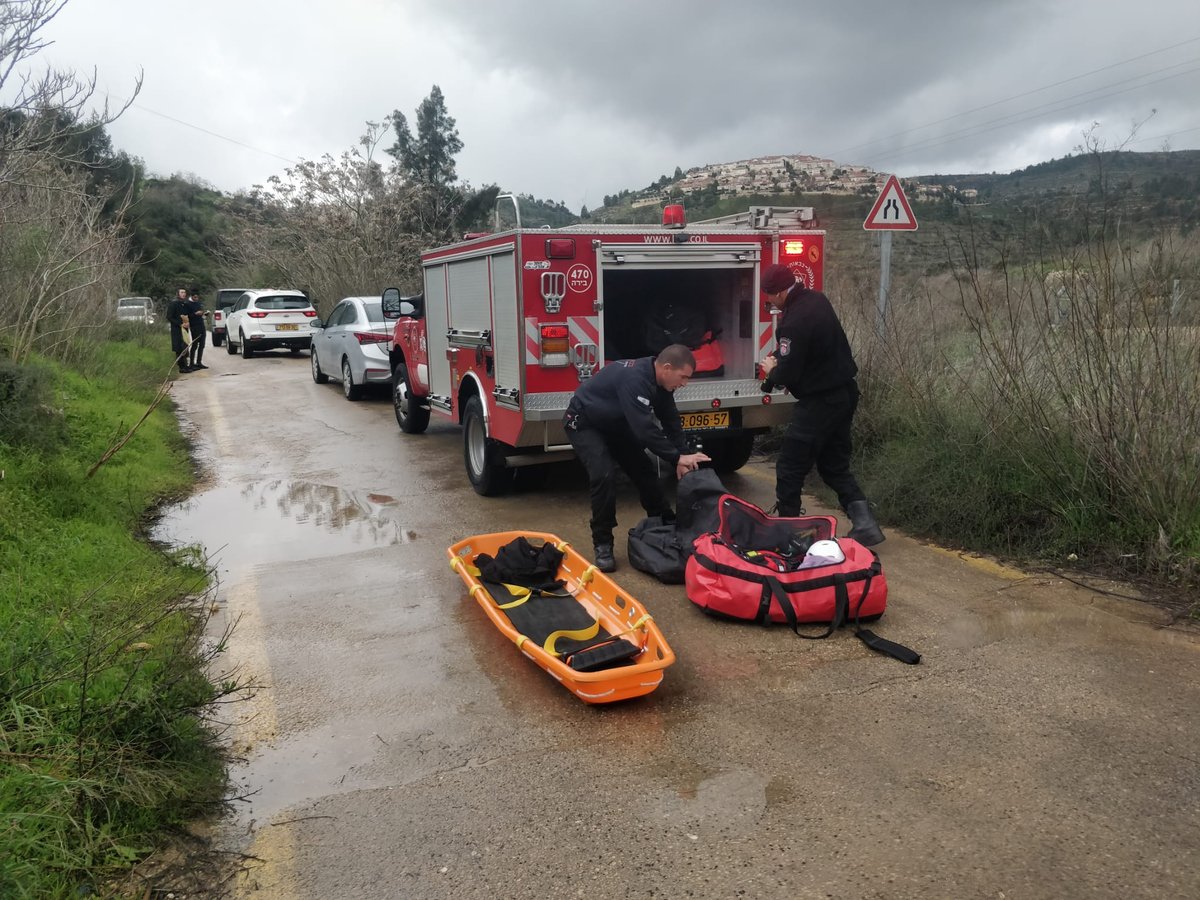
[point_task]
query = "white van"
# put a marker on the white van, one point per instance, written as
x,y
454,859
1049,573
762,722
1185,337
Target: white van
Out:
x,y
135,309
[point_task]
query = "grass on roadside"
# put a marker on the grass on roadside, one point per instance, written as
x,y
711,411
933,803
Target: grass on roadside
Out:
x,y
103,694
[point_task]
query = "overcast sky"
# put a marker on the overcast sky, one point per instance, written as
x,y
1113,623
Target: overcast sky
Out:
x,y
570,100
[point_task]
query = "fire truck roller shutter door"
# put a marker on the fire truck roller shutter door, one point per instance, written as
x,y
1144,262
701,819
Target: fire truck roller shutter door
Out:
x,y
470,295
507,327
436,323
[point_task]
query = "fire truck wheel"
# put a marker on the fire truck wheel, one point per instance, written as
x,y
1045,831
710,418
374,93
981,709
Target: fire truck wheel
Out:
x,y
731,453
482,455
411,415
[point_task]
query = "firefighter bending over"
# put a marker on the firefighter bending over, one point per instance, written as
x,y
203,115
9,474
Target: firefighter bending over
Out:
x,y
813,361
626,408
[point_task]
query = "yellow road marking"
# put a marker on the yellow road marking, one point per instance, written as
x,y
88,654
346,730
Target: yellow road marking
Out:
x,y
220,430
982,564
271,875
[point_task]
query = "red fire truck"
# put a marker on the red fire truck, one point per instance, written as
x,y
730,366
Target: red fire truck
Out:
x,y
511,322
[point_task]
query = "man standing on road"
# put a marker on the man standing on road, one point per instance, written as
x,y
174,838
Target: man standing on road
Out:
x,y
197,330
813,361
628,407
177,318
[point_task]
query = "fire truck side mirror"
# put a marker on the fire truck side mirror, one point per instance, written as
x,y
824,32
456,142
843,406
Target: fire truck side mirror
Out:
x,y
396,307
391,303
413,307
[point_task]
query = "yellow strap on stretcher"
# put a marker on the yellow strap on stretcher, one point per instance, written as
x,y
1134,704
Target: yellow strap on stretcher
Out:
x,y
639,624
519,591
522,594
579,634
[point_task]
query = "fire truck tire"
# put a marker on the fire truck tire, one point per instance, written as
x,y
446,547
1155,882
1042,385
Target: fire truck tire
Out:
x,y
411,415
483,457
731,453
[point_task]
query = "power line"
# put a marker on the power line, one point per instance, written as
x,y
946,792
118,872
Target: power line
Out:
x,y
222,137
1003,121
1171,134
841,153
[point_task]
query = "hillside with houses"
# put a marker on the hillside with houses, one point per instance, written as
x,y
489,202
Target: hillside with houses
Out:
x,y
765,176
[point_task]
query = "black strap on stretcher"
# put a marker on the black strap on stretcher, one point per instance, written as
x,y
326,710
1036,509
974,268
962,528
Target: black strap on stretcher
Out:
x,y
540,613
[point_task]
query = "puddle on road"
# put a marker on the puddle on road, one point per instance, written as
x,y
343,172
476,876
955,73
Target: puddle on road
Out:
x,y
277,520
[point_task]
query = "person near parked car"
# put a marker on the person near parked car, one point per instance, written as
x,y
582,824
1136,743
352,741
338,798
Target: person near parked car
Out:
x,y
197,330
813,361
626,408
177,318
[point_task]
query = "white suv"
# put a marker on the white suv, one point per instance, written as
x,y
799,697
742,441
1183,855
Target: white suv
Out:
x,y
264,319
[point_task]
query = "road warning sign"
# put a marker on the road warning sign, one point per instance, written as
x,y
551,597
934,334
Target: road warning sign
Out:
x,y
891,211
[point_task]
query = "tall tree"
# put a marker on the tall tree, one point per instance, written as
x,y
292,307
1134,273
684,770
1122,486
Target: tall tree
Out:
x,y
438,209
429,157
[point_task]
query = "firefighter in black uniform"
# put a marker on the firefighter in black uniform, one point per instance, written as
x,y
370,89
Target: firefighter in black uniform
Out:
x,y
177,318
626,408
813,361
197,330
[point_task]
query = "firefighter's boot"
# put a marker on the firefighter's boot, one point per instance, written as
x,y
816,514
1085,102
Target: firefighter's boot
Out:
x,y
605,561
864,528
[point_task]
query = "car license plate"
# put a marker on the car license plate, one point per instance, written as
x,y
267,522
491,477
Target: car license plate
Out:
x,y
702,420
287,327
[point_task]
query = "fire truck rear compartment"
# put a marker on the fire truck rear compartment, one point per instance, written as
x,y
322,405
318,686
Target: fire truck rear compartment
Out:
x,y
645,309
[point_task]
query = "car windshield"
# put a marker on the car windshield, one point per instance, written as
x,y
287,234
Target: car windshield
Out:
x,y
282,303
132,301
228,298
374,310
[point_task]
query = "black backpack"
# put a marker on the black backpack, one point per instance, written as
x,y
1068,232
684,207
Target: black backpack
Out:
x,y
674,322
661,548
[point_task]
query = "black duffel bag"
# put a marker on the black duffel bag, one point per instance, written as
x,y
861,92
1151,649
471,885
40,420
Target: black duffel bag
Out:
x,y
661,548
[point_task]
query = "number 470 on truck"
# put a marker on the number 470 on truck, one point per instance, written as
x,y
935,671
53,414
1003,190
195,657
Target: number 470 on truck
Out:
x,y
511,322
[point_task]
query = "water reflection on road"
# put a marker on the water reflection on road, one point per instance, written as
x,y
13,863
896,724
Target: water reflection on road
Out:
x,y
277,520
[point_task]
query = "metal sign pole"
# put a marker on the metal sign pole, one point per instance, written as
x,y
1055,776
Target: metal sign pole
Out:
x,y
891,212
885,277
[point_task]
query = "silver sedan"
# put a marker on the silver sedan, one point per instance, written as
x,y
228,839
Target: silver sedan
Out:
x,y
352,346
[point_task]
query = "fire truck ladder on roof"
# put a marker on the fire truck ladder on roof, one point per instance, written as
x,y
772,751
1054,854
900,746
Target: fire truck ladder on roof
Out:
x,y
766,217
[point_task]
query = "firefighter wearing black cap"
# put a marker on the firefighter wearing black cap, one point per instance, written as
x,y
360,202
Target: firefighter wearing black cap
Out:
x,y
813,361
628,407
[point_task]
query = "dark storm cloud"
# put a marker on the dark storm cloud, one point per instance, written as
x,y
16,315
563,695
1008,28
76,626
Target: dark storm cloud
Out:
x,y
574,100
687,68
859,80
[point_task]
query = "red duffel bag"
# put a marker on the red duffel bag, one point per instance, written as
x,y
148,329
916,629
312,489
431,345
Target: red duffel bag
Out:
x,y
758,568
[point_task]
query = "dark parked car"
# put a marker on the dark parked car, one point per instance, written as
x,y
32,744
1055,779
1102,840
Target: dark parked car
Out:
x,y
225,299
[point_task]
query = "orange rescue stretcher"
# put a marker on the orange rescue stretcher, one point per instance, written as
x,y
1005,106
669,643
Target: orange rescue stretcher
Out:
x,y
614,614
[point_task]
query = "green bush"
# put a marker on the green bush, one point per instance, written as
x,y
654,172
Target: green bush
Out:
x,y
1045,411
103,692
28,417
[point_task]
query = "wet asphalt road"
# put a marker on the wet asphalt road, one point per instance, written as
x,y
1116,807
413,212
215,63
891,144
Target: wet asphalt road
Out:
x,y
1047,746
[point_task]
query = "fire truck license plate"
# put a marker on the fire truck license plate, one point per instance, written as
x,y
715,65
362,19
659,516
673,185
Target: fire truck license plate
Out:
x,y
702,420
287,327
